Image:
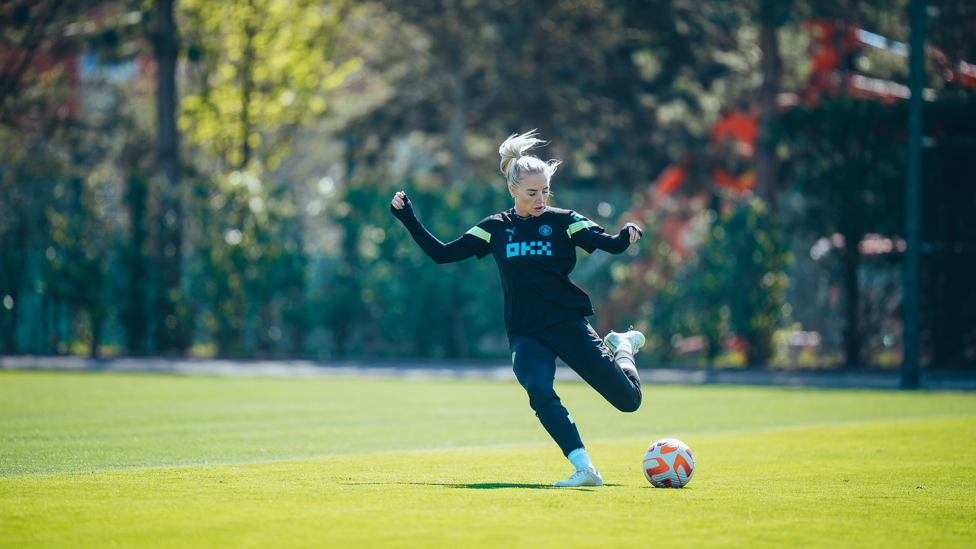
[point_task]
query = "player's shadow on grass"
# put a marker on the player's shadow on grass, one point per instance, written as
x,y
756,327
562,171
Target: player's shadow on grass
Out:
x,y
496,485
483,485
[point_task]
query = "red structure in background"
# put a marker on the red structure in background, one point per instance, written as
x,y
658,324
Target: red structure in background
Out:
x,y
743,130
46,68
834,42
62,56
833,45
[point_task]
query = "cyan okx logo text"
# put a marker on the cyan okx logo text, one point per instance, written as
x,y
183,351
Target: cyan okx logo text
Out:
x,y
528,248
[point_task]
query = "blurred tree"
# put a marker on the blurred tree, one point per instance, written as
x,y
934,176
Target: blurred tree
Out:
x,y
459,73
771,14
248,269
259,71
848,163
948,234
729,289
17,236
135,314
62,236
29,30
382,283
72,112
621,87
79,264
39,47
740,278
951,28
266,68
172,334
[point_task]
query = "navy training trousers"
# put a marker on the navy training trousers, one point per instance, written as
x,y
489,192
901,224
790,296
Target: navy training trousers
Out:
x,y
579,346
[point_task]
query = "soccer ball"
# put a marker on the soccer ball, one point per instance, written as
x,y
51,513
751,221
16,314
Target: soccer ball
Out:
x,y
668,463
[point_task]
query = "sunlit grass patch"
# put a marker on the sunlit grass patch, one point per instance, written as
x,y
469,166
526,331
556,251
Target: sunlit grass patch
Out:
x,y
831,468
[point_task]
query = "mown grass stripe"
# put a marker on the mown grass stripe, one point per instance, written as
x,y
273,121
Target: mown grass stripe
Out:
x,y
816,487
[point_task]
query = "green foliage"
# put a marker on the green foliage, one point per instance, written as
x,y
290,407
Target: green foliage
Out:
x,y
847,156
734,286
949,223
78,259
847,163
381,282
952,24
62,234
268,65
247,269
623,88
42,40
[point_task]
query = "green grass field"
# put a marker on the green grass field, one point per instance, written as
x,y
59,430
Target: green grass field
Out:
x,y
92,460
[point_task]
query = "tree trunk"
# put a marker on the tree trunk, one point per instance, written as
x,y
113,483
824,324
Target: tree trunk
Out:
x,y
766,163
96,327
247,85
850,262
456,130
167,47
136,317
852,331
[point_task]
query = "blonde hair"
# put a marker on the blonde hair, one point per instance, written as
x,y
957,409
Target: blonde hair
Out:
x,y
516,163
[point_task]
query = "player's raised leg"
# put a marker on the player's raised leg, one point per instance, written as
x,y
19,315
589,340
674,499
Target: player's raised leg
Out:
x,y
613,375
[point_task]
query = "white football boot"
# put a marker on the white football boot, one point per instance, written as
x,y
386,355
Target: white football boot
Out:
x,y
584,476
632,339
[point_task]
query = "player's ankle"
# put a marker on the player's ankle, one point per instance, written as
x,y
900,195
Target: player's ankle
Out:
x,y
579,458
625,347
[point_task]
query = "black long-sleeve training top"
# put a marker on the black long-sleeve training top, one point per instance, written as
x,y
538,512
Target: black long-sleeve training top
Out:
x,y
534,256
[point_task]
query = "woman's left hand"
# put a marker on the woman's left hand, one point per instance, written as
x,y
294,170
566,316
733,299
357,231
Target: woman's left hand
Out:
x,y
633,230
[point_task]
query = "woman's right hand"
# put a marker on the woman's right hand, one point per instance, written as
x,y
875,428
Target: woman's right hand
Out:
x,y
399,200
401,207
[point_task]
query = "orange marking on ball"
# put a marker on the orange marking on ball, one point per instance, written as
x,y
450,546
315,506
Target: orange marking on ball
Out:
x,y
680,461
661,467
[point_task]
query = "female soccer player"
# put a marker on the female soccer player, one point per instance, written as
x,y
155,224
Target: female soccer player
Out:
x,y
535,249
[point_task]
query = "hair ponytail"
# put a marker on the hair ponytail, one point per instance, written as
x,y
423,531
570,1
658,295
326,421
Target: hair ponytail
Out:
x,y
516,163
